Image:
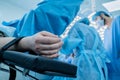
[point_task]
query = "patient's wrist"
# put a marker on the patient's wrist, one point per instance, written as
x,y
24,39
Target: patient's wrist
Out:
x,y
24,44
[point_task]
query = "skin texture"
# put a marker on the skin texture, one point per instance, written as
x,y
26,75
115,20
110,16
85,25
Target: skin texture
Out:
x,y
108,20
43,43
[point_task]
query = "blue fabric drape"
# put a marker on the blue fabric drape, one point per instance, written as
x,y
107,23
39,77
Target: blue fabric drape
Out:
x,y
114,52
50,15
116,36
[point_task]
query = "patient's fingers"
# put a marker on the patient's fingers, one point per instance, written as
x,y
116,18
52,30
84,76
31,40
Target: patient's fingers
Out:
x,y
48,52
45,43
47,40
51,56
49,46
45,33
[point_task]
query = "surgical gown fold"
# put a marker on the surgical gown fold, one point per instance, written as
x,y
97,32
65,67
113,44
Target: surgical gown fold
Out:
x,y
90,55
50,15
114,53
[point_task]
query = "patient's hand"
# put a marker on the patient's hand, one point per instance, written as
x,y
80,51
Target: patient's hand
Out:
x,y
43,43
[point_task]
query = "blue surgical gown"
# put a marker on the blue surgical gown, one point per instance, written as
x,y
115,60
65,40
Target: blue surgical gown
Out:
x,y
90,55
50,15
113,48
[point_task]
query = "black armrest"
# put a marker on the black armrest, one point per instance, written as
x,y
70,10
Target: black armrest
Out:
x,y
40,64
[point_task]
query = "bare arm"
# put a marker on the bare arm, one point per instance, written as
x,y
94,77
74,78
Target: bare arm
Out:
x,y
43,43
5,40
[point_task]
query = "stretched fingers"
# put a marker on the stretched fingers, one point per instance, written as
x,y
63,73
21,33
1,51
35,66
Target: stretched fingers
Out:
x,y
45,33
49,46
48,52
51,56
47,40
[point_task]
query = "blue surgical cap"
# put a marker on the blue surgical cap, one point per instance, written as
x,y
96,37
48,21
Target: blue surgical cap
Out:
x,y
98,14
85,21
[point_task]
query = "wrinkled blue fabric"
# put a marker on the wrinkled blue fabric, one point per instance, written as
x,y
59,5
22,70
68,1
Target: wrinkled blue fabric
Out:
x,y
50,15
113,48
90,55
8,31
85,21
116,36
68,48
